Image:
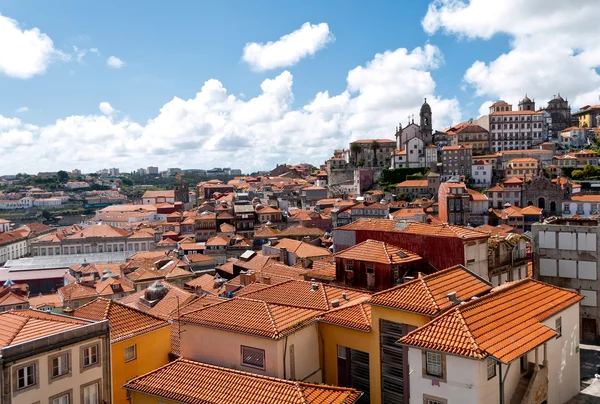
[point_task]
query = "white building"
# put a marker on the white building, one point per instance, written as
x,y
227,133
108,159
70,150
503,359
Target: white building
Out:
x,y
573,137
515,130
65,361
519,343
155,197
77,184
481,172
581,205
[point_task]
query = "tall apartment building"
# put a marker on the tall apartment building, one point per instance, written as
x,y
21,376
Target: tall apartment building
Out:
x,y
456,161
515,130
566,254
454,203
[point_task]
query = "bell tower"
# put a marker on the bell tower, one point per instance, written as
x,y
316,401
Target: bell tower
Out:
x,y
426,126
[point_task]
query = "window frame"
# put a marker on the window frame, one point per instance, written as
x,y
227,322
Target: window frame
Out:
x,y
82,355
67,360
442,365
66,393
427,399
98,383
250,365
134,353
34,366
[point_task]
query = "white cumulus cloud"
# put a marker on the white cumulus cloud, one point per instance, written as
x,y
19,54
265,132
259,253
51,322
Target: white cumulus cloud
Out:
x,y
554,46
106,108
23,52
22,109
114,62
289,49
217,128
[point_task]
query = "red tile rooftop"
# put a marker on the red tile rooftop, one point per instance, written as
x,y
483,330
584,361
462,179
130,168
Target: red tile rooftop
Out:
x,y
504,324
379,252
189,382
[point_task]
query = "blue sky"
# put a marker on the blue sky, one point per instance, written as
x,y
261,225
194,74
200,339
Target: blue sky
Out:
x,y
171,49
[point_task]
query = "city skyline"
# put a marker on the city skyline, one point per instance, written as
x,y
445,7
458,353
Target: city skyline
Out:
x,y
249,83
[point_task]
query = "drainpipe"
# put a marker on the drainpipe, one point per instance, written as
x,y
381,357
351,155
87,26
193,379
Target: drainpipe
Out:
x,y
502,380
284,352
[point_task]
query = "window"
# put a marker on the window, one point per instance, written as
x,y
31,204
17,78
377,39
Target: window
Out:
x,y
491,368
253,357
60,365
26,376
433,364
90,394
63,399
90,355
130,353
433,400
558,327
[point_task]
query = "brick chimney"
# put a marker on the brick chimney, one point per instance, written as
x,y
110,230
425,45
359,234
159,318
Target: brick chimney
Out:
x,y
283,256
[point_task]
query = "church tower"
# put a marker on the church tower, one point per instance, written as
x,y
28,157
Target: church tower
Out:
x,y
426,126
399,137
526,104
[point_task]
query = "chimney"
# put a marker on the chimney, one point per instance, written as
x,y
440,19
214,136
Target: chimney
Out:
x,y
315,286
266,280
344,296
306,239
283,257
250,277
243,278
453,299
335,303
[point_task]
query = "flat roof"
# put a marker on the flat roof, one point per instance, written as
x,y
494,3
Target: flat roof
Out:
x,y
65,261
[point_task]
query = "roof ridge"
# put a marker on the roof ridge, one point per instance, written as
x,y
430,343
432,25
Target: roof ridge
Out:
x,y
271,319
385,250
428,292
14,335
467,330
300,393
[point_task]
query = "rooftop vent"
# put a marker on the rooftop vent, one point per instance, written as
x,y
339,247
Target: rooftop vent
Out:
x,y
453,299
344,296
315,286
335,303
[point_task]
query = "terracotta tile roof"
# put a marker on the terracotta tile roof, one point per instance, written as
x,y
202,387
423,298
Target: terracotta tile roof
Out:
x,y
76,291
427,294
300,294
477,196
323,270
356,315
166,308
191,382
378,251
504,324
413,184
226,228
531,210
266,232
107,287
159,194
302,249
99,231
218,241
207,283
370,141
25,325
125,321
199,303
250,316
52,300
10,298
585,198
194,258
298,231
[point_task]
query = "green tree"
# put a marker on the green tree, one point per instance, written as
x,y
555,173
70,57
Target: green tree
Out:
x,y
589,170
63,176
46,214
577,174
375,146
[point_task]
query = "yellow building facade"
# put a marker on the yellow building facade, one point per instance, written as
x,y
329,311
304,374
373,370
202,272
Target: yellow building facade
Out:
x,y
335,336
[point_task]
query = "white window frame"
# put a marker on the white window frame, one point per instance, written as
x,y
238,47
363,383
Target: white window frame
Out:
x,y
28,371
62,365
64,399
434,364
91,400
130,353
88,353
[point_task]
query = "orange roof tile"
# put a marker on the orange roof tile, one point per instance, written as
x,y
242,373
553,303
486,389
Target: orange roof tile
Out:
x,y
125,321
302,249
191,382
52,300
166,308
413,184
301,294
427,294
251,316
322,270
504,324
433,230
378,251
356,315
11,298
25,325
76,291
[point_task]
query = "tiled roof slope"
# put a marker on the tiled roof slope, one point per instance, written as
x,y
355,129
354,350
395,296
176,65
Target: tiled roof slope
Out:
x,y
191,382
434,230
356,315
378,251
166,308
249,316
427,294
301,294
504,324
125,322
25,325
